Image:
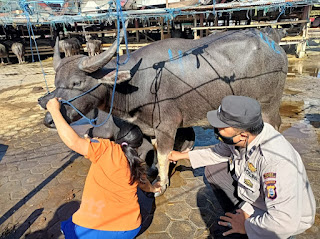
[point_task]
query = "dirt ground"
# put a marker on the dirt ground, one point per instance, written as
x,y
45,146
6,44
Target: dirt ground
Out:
x,y
22,85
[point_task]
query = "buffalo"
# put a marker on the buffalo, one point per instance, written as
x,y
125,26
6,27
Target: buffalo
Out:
x,y
19,50
173,83
3,53
70,46
93,47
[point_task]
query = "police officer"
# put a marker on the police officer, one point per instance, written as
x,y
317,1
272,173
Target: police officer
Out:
x,y
255,173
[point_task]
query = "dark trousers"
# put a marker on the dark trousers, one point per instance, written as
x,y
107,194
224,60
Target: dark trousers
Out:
x,y
223,186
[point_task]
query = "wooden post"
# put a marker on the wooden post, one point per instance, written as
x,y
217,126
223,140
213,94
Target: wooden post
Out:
x,y
301,47
195,31
167,3
201,25
216,19
136,25
22,32
207,24
161,30
228,20
169,29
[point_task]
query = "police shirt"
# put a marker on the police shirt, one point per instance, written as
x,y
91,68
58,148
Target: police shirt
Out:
x,y
272,181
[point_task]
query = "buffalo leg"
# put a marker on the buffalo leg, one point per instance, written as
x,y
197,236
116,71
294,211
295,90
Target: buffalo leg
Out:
x,y
164,144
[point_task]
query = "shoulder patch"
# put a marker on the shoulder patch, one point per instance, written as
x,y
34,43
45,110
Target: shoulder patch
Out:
x,y
269,175
271,189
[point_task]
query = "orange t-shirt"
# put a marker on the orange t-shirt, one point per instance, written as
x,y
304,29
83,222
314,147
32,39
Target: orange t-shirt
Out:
x,y
109,202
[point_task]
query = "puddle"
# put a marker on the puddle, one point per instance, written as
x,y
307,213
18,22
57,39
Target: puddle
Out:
x,y
314,119
304,69
292,109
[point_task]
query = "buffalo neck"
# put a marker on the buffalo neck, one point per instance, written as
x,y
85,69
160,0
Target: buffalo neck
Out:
x,y
120,102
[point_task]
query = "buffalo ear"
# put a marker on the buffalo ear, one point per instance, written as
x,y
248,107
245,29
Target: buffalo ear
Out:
x,y
109,78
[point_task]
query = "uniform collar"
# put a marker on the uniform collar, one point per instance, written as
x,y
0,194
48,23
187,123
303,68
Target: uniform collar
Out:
x,y
255,144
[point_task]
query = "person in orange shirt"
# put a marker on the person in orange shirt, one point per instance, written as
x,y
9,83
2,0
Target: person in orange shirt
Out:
x,y
109,206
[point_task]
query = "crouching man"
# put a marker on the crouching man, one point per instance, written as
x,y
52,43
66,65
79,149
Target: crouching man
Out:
x,y
254,172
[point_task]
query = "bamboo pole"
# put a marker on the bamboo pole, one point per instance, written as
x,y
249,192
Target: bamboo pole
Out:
x,y
195,28
161,28
201,24
136,25
252,25
115,31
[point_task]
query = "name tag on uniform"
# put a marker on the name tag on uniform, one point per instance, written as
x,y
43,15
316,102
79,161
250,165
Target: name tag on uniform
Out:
x,y
251,171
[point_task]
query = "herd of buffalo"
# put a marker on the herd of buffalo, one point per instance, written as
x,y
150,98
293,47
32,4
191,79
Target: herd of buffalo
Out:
x,y
70,47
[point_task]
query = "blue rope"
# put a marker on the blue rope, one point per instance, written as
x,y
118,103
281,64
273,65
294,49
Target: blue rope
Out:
x,y
119,11
28,12
283,9
88,91
91,121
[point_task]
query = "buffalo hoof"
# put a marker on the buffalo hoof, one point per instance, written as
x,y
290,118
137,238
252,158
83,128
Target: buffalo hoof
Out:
x,y
163,189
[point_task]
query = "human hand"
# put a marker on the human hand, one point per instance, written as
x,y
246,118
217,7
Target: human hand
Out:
x,y
174,156
234,221
53,104
156,187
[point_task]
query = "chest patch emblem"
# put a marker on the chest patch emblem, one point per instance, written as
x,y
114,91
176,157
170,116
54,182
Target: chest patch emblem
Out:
x,y
271,189
248,182
251,167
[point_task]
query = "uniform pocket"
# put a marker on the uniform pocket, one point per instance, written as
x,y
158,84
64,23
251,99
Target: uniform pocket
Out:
x,y
248,188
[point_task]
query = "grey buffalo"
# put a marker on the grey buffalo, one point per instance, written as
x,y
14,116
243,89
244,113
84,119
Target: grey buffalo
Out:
x,y
171,84
19,50
3,53
93,47
70,46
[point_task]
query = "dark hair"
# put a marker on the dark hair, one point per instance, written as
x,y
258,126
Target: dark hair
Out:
x,y
130,137
256,129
